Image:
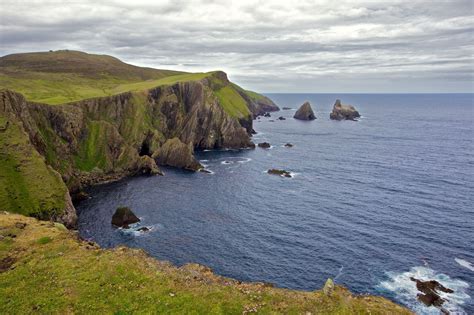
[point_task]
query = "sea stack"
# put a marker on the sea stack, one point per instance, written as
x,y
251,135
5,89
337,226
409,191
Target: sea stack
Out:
x,y
343,112
123,217
305,112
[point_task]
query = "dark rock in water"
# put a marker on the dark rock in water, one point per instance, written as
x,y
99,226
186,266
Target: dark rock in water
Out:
x,y
288,145
305,112
281,118
267,115
429,295
264,145
275,171
143,229
271,120
343,112
286,108
123,217
79,196
253,131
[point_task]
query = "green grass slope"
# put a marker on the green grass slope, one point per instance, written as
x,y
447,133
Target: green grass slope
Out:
x,y
45,269
27,185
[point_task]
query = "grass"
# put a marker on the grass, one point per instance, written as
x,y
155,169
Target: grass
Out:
x,y
27,185
232,102
59,88
65,275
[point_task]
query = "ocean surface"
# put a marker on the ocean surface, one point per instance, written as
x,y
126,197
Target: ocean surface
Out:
x,y
371,203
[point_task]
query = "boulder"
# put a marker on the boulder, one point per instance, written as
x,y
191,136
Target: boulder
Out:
x,y
343,112
288,145
282,173
143,229
267,115
123,217
264,145
305,112
328,287
281,118
176,153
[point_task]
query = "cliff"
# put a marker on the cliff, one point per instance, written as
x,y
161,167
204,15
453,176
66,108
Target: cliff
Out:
x,y
44,268
48,149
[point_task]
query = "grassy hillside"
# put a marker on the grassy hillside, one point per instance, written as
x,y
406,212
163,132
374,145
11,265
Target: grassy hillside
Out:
x,y
27,184
45,269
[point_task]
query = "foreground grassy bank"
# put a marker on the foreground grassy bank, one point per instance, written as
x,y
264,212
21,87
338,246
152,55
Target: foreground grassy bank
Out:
x,y
44,268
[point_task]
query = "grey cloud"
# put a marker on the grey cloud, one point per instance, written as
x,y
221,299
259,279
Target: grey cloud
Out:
x,y
413,45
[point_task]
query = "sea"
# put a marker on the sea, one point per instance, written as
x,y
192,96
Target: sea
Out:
x,y
370,202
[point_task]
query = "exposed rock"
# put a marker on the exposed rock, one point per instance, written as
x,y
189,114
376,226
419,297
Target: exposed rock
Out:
x,y
177,154
123,217
147,165
281,118
430,295
286,108
343,112
267,115
143,229
282,173
79,196
288,145
305,112
328,288
264,145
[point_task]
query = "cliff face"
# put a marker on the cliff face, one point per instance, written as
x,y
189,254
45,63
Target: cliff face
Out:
x,y
107,138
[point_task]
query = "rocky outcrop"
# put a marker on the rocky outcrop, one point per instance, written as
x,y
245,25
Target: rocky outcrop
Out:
x,y
176,153
281,173
107,138
305,112
429,292
264,145
123,217
343,112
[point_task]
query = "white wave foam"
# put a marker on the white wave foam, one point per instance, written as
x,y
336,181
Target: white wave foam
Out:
x,y
227,162
203,161
339,272
405,290
464,263
244,160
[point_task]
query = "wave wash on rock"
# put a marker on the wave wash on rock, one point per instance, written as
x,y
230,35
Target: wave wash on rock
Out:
x,y
107,138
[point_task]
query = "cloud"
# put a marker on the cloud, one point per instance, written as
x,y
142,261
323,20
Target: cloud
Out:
x,y
270,46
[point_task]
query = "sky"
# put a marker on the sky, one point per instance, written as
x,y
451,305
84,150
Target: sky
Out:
x,y
294,46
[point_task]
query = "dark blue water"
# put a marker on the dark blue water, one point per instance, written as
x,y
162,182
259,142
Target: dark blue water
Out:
x,y
371,203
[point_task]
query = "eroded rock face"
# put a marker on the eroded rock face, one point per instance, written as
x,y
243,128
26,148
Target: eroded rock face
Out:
x,y
343,112
305,112
123,217
177,154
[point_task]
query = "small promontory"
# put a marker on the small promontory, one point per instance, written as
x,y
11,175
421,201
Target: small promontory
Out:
x,y
343,112
305,112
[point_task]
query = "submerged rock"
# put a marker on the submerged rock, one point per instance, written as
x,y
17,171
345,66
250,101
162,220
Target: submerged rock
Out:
x,y
282,173
289,145
305,112
343,112
264,145
281,118
143,229
123,217
286,108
